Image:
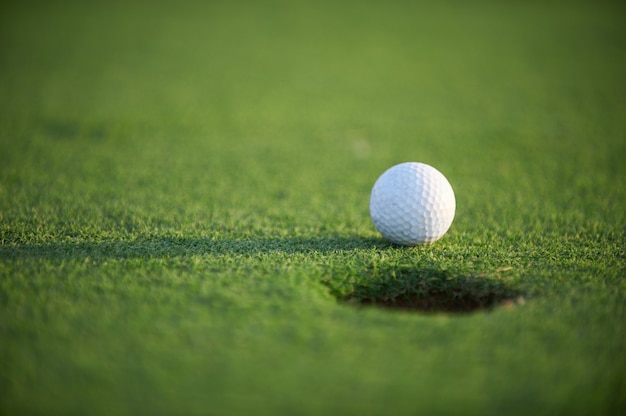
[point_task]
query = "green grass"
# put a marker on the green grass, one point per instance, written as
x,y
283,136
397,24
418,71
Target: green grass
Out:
x,y
184,223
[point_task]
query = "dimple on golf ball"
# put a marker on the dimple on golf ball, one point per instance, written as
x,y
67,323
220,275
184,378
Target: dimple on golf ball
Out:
x,y
412,203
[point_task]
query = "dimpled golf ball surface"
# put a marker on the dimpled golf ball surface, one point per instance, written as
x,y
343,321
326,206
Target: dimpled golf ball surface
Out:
x,y
412,203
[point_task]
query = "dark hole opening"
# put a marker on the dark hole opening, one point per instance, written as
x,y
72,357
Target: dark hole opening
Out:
x,y
430,290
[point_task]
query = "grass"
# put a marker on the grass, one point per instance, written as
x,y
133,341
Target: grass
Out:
x,y
184,223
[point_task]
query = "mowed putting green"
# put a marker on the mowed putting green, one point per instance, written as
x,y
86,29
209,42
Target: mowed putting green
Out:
x,y
184,223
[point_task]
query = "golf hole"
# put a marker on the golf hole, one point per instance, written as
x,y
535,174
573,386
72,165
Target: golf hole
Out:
x,y
428,290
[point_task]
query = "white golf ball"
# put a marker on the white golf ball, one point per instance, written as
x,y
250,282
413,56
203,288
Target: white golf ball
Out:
x,y
412,203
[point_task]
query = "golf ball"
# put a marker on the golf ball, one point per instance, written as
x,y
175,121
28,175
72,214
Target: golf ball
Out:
x,y
412,203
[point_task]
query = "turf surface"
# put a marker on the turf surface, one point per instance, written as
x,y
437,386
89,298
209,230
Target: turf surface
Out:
x,y
184,223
